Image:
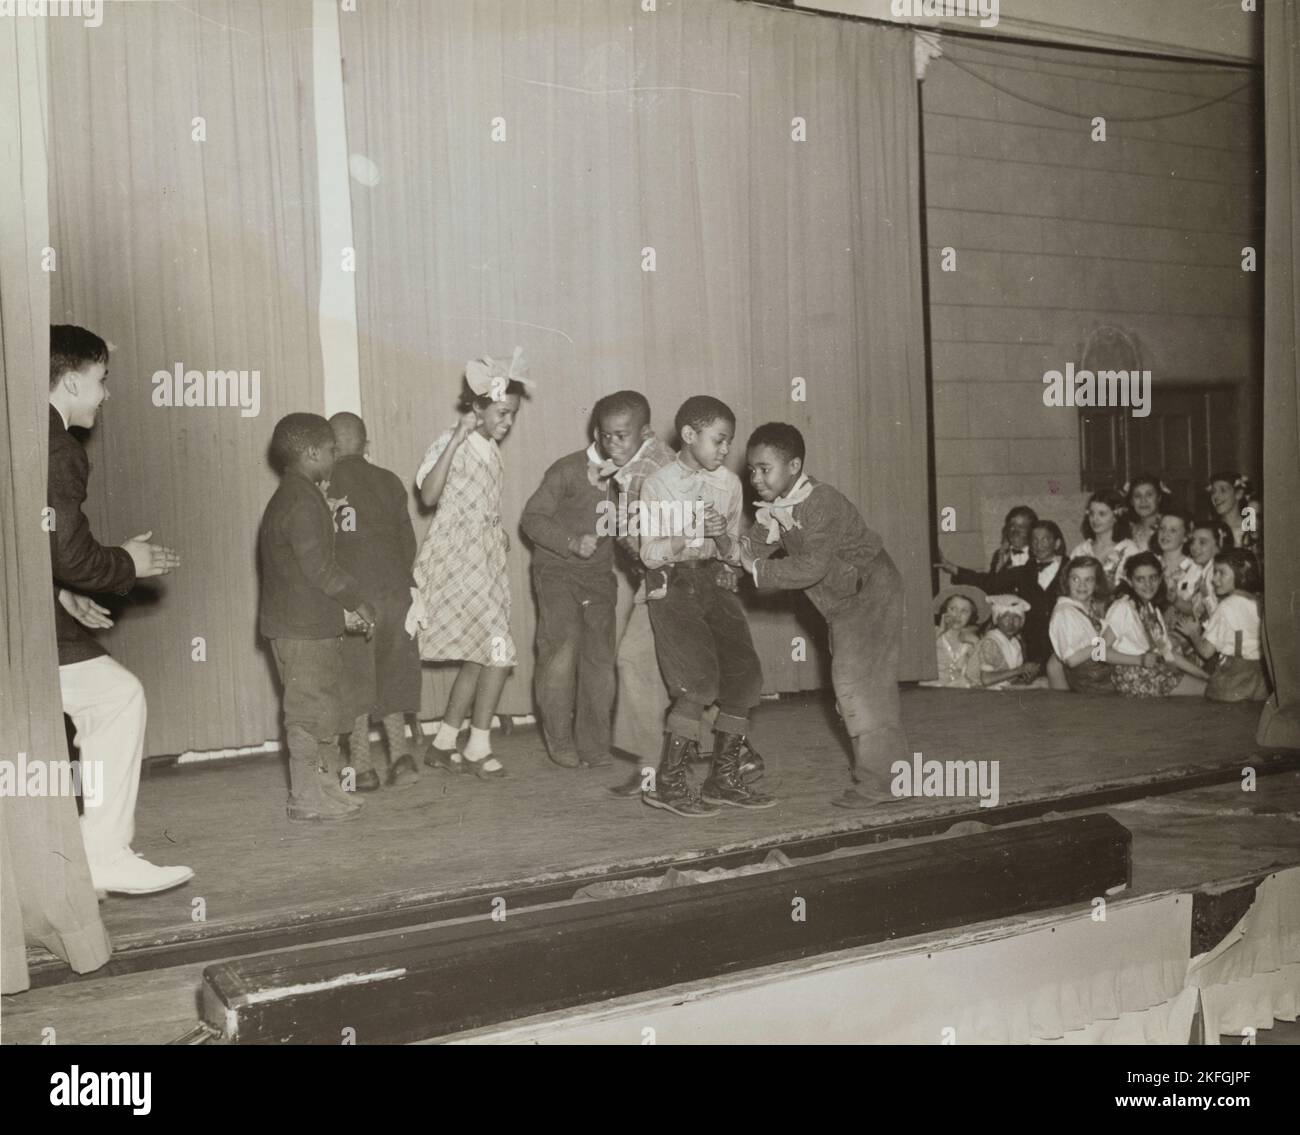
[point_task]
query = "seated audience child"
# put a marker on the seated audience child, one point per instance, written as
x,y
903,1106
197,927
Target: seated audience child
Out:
x,y
304,595
1146,497
1170,544
375,544
1075,630
573,576
1037,583
1001,653
959,611
1143,661
828,552
702,638
1106,535
1229,495
1231,634
1194,593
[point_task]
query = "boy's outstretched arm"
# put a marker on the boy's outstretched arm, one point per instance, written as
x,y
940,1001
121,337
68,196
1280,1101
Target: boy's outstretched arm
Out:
x,y
80,562
809,567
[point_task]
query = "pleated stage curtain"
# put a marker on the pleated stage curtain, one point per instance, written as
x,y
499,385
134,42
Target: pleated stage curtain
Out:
x,y
1280,722
45,890
517,164
184,216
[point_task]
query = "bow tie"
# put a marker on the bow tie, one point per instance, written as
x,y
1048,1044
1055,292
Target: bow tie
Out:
x,y
778,516
598,468
1017,559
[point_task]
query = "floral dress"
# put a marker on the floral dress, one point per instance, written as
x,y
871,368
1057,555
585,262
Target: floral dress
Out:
x,y
461,566
1138,629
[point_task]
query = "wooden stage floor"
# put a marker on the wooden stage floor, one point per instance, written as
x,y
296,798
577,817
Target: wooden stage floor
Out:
x,y
253,868
446,833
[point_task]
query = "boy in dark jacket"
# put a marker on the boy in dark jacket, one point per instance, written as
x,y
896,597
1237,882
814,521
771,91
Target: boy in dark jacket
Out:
x,y
104,699
304,595
376,546
843,567
573,575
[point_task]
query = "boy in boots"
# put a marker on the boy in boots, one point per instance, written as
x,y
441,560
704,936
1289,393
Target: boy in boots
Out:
x,y
691,516
304,595
842,565
375,544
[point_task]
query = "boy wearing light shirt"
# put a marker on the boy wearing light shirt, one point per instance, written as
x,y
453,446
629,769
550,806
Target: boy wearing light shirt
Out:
x,y
691,515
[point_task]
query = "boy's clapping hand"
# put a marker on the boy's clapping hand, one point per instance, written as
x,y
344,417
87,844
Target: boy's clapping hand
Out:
x,y
85,610
150,559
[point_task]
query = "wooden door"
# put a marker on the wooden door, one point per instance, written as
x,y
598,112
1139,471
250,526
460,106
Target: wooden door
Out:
x,y
1190,433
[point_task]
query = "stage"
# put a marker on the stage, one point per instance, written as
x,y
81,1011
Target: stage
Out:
x,y
1170,771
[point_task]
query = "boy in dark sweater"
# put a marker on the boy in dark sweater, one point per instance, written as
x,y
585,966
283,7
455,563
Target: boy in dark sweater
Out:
x,y
843,567
304,595
376,546
573,574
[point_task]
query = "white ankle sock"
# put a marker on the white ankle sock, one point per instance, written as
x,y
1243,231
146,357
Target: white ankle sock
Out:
x,y
480,744
445,738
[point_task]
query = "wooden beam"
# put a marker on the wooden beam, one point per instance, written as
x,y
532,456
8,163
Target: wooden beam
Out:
x,y
442,979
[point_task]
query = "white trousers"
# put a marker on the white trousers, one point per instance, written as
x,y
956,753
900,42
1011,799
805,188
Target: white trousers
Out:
x,y
106,703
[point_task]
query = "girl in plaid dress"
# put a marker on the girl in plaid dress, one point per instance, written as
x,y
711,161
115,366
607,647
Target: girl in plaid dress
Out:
x,y
460,570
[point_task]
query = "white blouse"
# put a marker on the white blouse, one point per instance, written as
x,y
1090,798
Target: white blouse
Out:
x,y
1070,629
1235,613
1130,635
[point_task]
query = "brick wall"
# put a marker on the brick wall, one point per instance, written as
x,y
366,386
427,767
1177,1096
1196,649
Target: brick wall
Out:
x,y
1056,234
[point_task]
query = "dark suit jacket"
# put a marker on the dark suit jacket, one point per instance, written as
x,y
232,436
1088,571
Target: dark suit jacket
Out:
x,y
304,589
376,542
80,562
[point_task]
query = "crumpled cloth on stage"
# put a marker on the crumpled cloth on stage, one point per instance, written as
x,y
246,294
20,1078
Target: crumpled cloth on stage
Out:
x,y
1252,977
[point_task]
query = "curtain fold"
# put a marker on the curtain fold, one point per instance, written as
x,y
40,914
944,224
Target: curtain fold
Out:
x,y
525,160
1279,723
184,211
45,889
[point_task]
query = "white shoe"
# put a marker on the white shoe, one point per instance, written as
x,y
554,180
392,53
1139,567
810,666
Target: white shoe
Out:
x,y
131,874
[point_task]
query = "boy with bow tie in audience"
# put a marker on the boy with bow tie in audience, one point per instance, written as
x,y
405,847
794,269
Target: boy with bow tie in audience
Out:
x,y
842,565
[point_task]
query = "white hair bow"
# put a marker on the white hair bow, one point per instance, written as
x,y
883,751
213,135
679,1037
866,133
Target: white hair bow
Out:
x,y
492,376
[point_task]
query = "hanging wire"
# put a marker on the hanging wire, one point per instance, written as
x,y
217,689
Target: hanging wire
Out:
x,y
1178,67
1079,114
